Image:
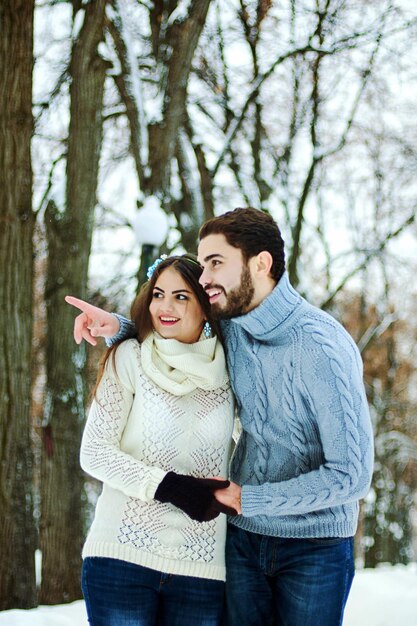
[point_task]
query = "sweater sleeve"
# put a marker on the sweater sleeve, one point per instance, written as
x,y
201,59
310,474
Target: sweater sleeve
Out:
x,y
331,410
126,330
101,455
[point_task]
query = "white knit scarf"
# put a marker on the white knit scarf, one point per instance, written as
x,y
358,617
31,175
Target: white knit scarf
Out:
x,y
180,368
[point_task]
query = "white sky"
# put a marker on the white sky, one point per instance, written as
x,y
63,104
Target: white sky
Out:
x,y
115,252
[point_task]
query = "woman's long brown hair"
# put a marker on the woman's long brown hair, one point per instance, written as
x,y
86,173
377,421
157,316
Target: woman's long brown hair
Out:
x,y
190,270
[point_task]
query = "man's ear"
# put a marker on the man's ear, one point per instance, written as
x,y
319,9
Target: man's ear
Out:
x,y
262,263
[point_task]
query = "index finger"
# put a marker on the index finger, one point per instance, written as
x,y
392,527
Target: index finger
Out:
x,y
85,307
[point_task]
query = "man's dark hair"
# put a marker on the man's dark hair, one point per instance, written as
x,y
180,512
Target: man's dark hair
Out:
x,y
252,231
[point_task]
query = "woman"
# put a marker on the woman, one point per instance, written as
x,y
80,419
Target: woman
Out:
x,y
158,432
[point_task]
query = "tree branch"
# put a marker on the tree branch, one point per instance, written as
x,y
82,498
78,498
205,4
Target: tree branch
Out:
x,y
411,219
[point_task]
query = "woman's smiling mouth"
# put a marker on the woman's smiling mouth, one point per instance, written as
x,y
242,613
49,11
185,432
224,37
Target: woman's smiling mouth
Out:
x,y
168,321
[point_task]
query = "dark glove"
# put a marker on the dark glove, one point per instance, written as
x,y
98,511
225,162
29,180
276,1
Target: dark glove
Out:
x,y
216,505
193,495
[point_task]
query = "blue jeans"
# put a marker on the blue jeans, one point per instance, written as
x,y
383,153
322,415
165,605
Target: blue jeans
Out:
x,y
118,593
273,581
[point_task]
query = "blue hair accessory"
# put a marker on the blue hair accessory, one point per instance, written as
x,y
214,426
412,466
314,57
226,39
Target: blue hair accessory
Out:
x,y
154,265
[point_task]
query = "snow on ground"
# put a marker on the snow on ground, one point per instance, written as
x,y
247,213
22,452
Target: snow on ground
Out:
x,y
386,596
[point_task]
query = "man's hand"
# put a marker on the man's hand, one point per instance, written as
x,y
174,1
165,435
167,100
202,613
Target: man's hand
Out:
x,y
231,497
92,322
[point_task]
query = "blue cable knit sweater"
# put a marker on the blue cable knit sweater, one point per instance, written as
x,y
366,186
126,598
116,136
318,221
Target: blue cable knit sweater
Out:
x,y
305,455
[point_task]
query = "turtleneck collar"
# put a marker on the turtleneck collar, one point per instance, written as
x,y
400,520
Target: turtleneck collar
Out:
x,y
272,312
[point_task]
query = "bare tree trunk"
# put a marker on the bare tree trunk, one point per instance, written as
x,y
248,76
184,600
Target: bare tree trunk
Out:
x,y
17,533
69,233
155,146
183,39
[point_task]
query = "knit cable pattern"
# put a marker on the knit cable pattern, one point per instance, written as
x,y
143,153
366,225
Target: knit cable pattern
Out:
x,y
305,455
342,483
261,417
297,432
350,417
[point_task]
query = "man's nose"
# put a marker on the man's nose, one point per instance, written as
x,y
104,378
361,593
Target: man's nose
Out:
x,y
204,279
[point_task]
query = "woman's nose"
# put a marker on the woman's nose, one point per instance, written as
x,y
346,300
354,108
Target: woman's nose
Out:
x,y
167,306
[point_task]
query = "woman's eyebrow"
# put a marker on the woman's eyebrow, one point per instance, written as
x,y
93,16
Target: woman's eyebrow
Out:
x,y
174,292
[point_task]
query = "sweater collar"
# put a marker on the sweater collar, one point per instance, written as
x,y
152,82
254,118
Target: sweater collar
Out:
x,y
272,312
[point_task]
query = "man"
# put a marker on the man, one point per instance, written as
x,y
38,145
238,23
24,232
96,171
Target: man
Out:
x,y
304,458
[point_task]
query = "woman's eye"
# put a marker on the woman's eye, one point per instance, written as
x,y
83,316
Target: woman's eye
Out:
x,y
181,296
156,295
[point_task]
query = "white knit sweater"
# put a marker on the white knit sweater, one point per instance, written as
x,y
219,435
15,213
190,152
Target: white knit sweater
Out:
x,y
135,433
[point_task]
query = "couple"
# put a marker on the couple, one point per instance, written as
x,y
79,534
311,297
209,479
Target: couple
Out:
x,y
159,431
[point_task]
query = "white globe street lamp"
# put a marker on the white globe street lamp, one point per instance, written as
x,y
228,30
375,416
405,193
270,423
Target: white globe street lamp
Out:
x,y
151,229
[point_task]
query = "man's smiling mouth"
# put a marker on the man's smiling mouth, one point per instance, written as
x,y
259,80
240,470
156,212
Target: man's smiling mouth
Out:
x,y
213,294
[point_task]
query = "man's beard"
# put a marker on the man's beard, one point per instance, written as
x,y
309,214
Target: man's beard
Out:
x,y
238,300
